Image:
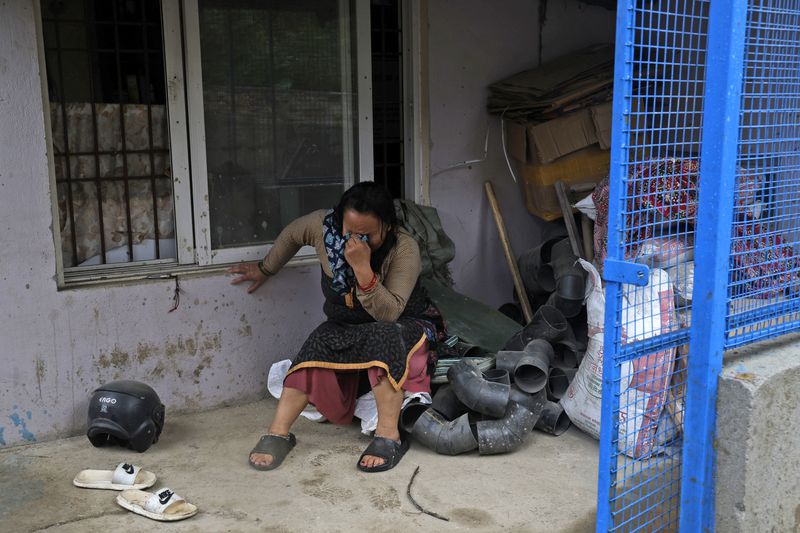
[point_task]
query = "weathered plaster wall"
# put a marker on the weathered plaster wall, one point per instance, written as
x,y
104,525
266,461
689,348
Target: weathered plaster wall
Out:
x,y
473,43
56,347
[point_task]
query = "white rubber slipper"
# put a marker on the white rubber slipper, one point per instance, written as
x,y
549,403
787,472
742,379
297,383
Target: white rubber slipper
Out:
x,y
125,476
164,506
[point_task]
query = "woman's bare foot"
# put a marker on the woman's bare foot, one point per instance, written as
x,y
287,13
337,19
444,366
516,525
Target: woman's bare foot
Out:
x,y
271,450
371,461
261,459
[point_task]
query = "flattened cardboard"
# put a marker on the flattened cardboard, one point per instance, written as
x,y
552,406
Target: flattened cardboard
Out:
x,y
544,143
601,117
556,138
516,144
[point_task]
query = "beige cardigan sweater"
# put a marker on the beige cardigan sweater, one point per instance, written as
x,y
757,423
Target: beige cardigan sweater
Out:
x,y
397,277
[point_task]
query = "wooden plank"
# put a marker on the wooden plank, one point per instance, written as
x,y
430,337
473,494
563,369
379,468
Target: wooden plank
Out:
x,y
569,219
510,258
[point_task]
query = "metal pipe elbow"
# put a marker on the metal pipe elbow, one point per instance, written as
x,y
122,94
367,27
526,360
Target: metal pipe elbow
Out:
x,y
535,403
553,420
444,436
477,393
447,403
506,434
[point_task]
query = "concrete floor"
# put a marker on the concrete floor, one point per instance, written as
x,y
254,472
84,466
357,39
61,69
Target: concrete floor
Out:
x,y
547,486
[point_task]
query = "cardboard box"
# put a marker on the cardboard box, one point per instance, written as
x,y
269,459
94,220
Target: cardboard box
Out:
x,y
546,142
587,166
601,117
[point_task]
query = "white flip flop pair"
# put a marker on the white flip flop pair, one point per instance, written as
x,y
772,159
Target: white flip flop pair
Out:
x,y
164,505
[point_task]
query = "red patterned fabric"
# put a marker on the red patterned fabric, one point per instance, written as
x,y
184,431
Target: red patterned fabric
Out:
x,y
667,188
663,192
763,260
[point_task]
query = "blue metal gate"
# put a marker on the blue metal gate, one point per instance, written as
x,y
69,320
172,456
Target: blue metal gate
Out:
x,y
703,228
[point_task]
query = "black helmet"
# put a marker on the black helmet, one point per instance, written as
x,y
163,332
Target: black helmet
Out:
x,y
125,413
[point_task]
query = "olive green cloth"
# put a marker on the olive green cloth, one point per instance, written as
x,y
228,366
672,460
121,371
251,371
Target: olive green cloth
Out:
x,y
435,247
473,322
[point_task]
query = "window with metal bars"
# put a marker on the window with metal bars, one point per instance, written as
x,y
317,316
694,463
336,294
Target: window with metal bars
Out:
x,y
387,94
106,84
190,132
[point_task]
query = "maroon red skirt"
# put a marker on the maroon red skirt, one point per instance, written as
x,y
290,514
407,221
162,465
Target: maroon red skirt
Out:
x,y
334,392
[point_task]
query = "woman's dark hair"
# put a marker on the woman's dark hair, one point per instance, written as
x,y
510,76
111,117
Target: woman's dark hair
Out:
x,y
372,198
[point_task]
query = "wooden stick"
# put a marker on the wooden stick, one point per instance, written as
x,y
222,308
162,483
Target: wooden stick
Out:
x,y
569,219
510,259
418,506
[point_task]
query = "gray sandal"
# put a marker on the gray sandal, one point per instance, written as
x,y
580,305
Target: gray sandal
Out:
x,y
275,445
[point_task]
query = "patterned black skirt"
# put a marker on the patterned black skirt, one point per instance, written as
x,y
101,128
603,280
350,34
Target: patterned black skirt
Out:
x,y
350,339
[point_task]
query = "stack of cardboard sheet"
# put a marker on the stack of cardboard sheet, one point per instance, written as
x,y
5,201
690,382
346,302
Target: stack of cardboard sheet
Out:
x,y
559,124
575,81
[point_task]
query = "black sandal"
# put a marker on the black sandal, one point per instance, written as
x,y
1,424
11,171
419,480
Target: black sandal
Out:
x,y
275,445
389,450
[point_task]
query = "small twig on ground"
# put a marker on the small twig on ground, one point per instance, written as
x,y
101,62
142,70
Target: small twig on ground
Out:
x,y
418,506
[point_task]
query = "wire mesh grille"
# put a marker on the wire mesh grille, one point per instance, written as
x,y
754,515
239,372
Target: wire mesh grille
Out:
x,y
652,216
764,270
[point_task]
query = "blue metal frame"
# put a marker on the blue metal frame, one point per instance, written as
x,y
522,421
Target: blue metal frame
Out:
x,y
748,105
623,55
724,59
764,271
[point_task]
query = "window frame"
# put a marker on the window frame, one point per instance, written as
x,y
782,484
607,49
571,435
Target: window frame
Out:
x,y
187,142
205,255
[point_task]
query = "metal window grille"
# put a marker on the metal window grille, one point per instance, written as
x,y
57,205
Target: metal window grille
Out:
x,y
107,90
387,94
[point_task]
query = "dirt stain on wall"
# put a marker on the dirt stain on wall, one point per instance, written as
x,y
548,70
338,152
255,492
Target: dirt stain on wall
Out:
x,y
40,372
118,358
145,351
245,330
206,361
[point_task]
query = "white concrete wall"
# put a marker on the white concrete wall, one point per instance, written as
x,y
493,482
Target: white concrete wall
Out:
x,y
758,438
56,347
473,43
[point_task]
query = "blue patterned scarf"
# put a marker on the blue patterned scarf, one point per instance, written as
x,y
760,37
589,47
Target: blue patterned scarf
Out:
x,y
343,276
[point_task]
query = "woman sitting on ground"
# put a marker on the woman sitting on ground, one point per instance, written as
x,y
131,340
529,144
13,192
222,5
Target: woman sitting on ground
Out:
x,y
379,320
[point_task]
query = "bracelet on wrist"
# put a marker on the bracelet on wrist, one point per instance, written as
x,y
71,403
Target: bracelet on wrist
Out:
x,y
371,285
263,269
